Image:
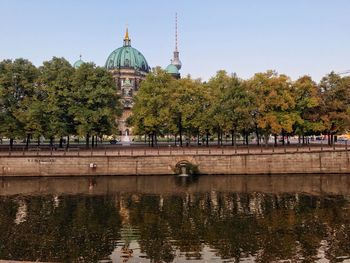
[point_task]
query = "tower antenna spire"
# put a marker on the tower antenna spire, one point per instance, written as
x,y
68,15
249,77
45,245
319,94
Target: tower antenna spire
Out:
x,y
176,34
176,60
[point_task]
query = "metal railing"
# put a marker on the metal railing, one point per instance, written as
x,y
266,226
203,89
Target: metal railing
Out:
x,y
172,150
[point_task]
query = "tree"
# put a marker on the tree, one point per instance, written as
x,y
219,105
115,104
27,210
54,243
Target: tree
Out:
x,y
150,111
335,104
238,109
186,101
275,102
217,87
17,86
51,101
308,100
95,104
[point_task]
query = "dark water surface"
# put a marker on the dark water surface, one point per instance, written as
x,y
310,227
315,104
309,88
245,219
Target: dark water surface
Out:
x,y
170,219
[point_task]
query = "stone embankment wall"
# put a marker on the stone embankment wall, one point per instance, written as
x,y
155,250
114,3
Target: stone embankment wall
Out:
x,y
265,163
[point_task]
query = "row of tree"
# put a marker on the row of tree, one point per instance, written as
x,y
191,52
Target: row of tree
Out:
x,y
56,101
266,104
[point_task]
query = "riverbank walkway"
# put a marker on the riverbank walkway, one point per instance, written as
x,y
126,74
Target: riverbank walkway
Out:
x,y
139,150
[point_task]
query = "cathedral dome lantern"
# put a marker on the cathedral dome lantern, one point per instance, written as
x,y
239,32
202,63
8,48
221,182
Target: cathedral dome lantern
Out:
x,y
127,57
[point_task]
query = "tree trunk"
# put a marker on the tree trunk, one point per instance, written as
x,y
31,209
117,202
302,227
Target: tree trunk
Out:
x,y
275,139
87,141
51,142
218,136
67,145
28,141
38,141
257,134
232,138
207,138
11,143
180,134
247,138
61,142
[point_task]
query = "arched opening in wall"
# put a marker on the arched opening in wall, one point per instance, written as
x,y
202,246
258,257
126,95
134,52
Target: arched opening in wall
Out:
x,y
127,132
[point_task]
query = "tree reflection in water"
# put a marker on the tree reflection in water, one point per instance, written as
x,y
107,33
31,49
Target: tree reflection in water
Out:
x,y
266,227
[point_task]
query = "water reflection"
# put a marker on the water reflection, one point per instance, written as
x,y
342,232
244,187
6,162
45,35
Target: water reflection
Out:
x,y
164,219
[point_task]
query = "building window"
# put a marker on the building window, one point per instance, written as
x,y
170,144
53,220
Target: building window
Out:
x,y
126,62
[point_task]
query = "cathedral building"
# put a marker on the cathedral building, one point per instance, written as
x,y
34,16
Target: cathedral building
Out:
x,y
129,67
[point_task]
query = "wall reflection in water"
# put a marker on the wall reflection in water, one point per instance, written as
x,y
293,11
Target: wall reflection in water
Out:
x,y
163,219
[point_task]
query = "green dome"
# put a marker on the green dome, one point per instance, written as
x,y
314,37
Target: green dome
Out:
x,y
172,69
127,57
78,63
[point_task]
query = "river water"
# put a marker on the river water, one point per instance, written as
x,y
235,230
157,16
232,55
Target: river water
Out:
x,y
171,219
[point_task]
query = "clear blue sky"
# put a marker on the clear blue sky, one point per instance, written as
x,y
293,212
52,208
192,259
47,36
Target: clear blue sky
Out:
x,y
294,37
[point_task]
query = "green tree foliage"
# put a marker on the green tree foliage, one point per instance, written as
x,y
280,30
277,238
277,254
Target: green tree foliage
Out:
x,y
150,111
267,104
56,100
275,103
185,110
308,102
95,103
18,81
335,104
54,97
